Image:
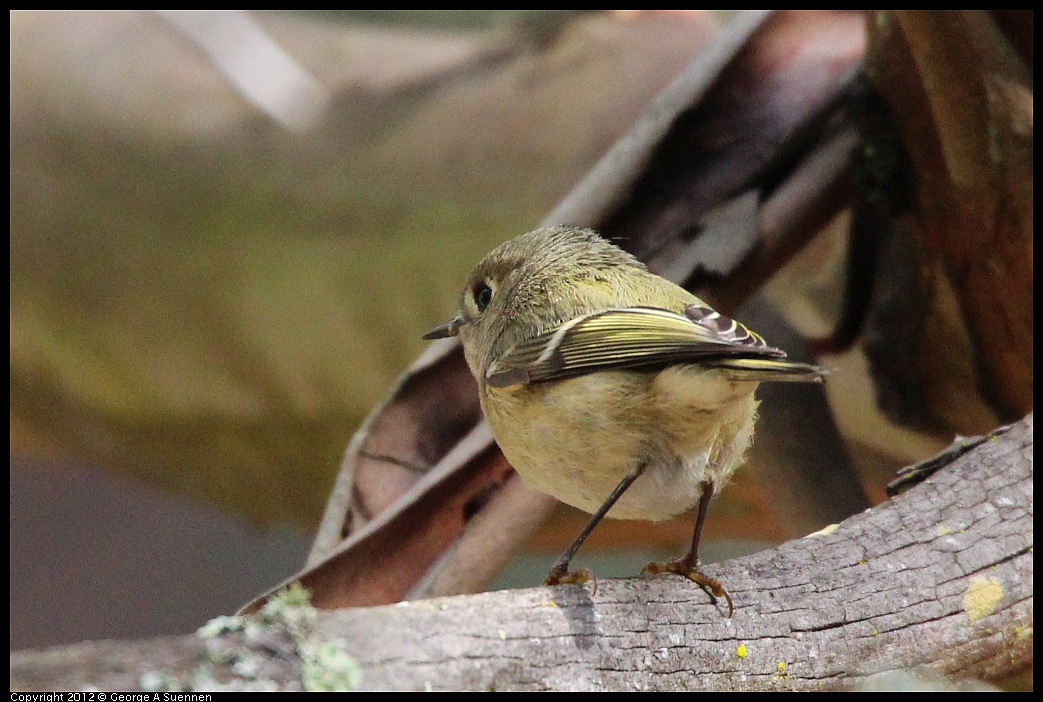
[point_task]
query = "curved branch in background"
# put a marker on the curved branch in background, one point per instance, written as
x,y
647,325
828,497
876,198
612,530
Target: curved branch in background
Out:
x,y
728,130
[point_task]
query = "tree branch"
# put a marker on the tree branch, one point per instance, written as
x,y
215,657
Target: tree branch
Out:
x,y
938,579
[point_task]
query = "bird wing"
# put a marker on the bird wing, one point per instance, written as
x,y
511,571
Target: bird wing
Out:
x,y
644,336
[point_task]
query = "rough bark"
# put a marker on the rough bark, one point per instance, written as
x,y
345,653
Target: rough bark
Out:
x,y
937,580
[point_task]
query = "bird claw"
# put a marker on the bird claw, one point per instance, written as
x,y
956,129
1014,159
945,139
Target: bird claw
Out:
x,y
571,577
690,570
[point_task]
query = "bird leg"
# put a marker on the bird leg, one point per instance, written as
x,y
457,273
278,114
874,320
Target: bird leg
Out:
x,y
559,572
688,565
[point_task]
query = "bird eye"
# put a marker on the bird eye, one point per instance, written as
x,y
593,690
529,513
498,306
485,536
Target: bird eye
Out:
x,y
483,295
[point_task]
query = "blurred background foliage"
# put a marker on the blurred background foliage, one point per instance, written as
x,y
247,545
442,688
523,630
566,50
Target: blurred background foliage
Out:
x,y
209,300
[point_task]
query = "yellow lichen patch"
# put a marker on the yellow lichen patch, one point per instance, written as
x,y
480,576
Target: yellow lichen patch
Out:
x,y
943,530
981,597
741,651
824,531
782,666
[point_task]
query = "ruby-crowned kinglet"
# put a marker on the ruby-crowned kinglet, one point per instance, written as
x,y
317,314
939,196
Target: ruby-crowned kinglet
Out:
x,y
609,387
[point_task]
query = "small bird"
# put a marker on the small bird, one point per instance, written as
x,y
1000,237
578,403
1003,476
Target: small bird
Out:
x,y
609,387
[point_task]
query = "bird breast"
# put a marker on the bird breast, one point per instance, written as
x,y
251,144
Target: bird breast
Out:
x,y
576,439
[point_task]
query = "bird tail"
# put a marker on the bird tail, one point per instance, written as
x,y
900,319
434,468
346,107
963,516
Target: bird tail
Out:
x,y
763,370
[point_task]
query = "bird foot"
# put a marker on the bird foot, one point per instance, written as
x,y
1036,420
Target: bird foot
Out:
x,y
689,568
564,576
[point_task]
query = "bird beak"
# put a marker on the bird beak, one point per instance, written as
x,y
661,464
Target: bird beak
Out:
x,y
444,331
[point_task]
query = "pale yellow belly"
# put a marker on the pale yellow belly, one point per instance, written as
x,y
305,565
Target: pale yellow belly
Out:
x,y
577,439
